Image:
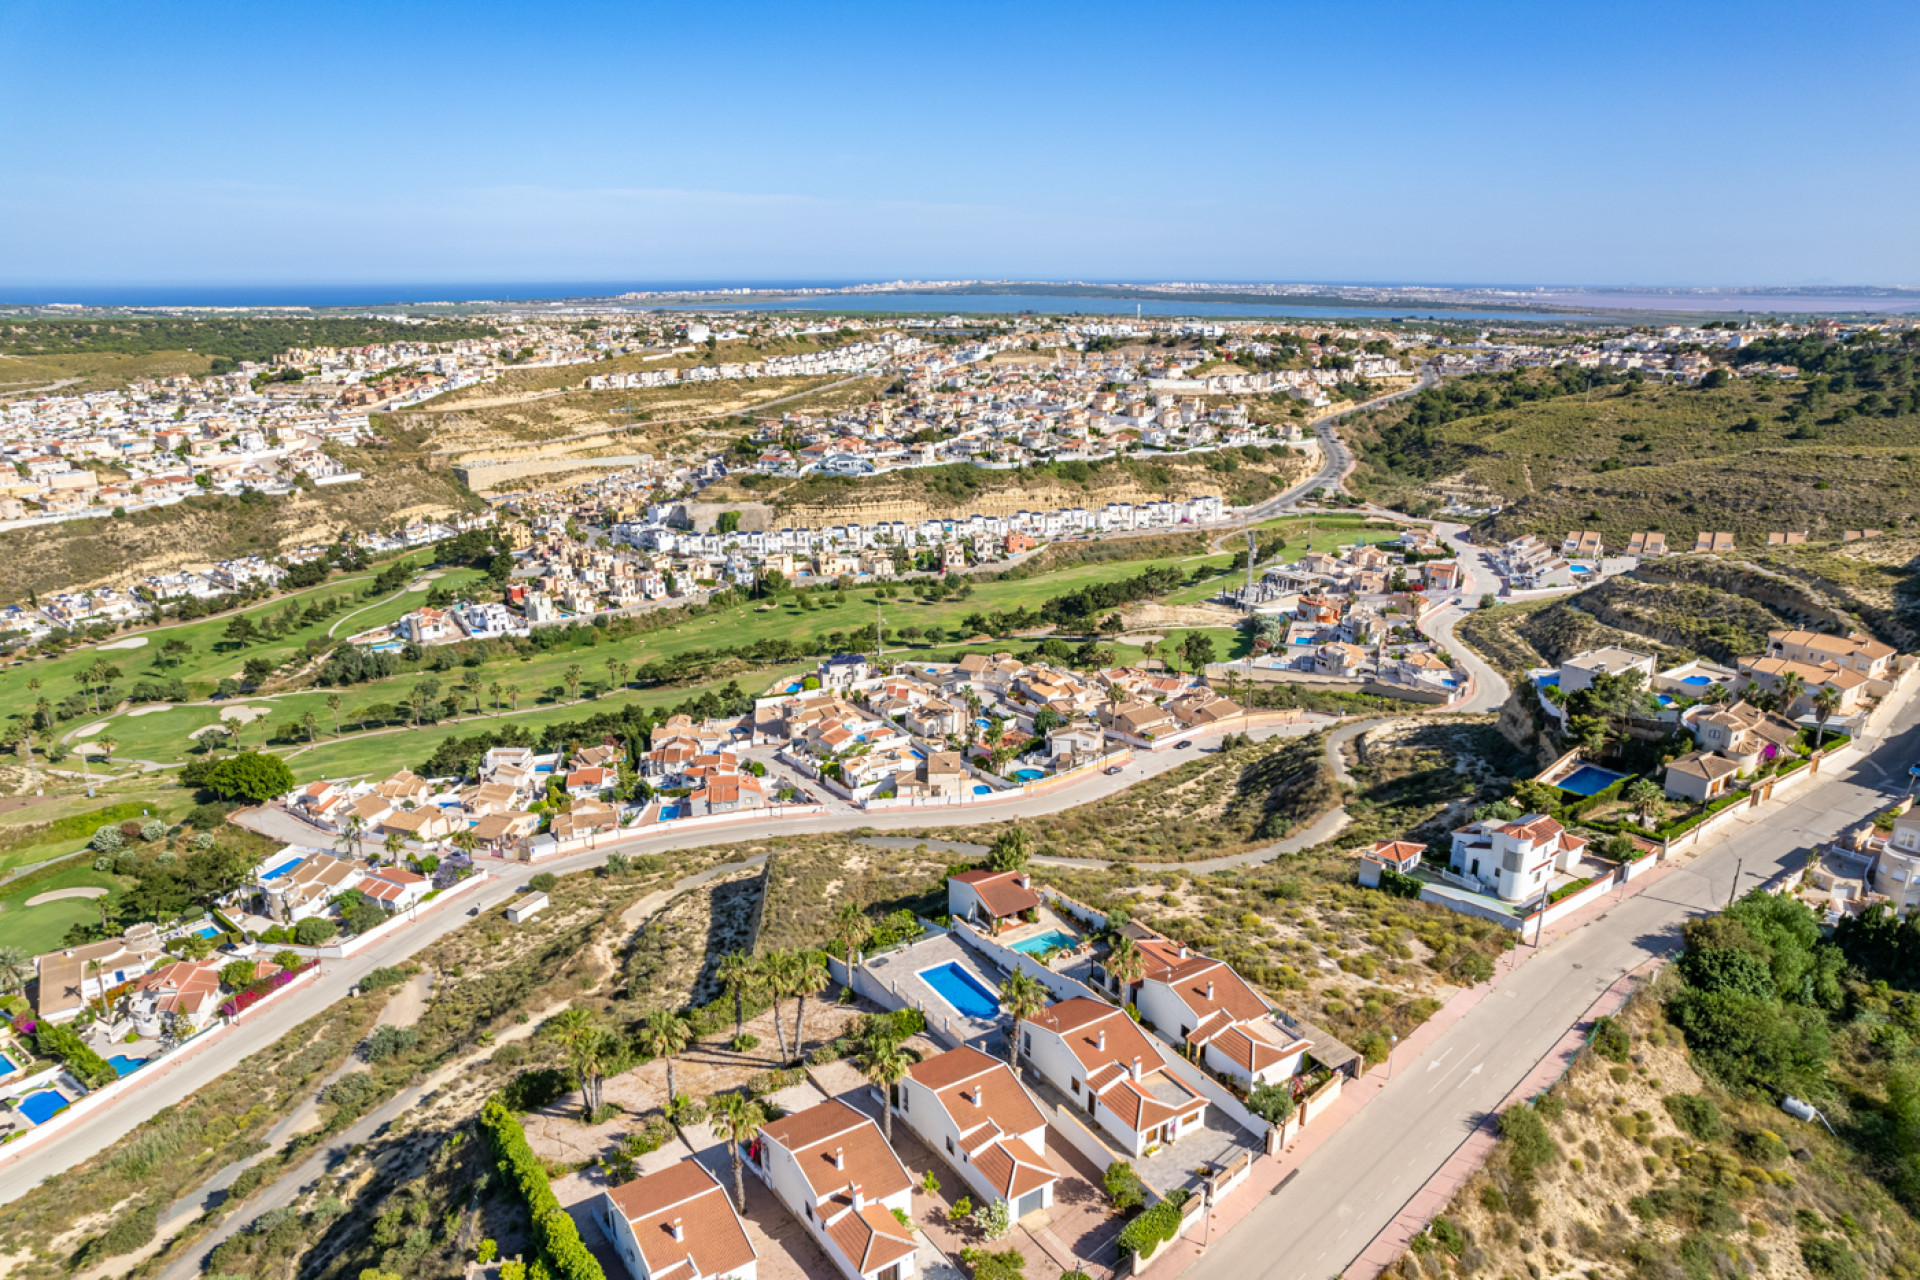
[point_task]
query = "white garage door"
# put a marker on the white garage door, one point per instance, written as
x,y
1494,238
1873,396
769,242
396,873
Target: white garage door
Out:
x,y
1029,1202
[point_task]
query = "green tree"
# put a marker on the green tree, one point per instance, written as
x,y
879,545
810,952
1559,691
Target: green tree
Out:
x,y
1022,996
738,975
810,978
1009,851
738,1118
588,1047
664,1035
250,775
886,1065
1196,649
1826,701
572,678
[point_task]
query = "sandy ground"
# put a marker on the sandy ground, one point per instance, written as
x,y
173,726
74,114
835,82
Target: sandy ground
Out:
x,y
61,895
88,730
149,710
131,642
244,714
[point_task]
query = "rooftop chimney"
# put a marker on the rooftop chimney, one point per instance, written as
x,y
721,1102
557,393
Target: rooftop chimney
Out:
x,y
679,1232
1100,1039
1209,989
979,1095
1136,1068
839,1157
858,1197
1183,951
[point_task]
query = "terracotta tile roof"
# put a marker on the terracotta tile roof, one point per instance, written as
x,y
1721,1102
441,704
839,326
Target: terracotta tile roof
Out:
x,y
815,1136
1012,1167
1204,985
1395,851
979,1092
870,1236
687,1196
1002,891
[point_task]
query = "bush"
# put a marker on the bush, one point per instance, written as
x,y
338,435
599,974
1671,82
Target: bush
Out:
x,y
1829,1259
543,882
1694,1115
1610,1040
1124,1189
1529,1145
387,1041
1152,1228
381,979
350,1093
152,829
129,1230
1271,1102
314,930
745,1042
107,840
532,1090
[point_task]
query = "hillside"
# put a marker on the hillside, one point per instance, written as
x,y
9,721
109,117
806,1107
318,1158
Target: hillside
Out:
x,y
1819,454
401,483
1663,1153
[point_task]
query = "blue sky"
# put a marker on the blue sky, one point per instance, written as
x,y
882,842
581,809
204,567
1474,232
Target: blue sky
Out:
x,y
1674,143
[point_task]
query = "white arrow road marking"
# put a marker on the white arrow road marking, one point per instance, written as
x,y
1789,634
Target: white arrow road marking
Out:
x,y
1437,1061
1471,1074
1443,1074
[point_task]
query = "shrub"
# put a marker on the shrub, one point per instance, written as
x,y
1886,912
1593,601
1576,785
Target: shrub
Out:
x,y
531,1090
1271,1102
129,1230
350,1092
152,829
1694,1115
314,930
1123,1186
1529,1145
382,978
1610,1040
108,840
1152,1228
387,1041
1008,1264
745,1042
1829,1259
543,882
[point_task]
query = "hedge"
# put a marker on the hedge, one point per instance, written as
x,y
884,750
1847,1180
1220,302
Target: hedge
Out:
x,y
88,1067
1400,885
566,1256
1681,825
1153,1227
1569,889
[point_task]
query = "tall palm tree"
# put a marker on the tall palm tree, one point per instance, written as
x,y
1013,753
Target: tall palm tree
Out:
x,y
513,696
886,1065
107,746
738,1117
1126,963
333,709
588,1049
311,723
1826,701
1644,796
1792,685
613,682
851,929
738,974
774,973
810,978
572,677
1022,996
663,1035
16,966
394,844
354,833
495,689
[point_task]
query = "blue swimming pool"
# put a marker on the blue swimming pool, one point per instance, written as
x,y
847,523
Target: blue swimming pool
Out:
x,y
284,868
1550,680
668,812
124,1066
7,1065
208,931
982,789
1045,942
1027,775
1696,682
967,994
1589,779
43,1106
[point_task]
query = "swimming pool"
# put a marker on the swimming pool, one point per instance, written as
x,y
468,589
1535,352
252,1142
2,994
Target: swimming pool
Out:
x,y
284,868
969,997
1550,680
7,1065
43,1106
982,789
1589,779
1696,682
1045,942
668,812
208,931
124,1066
1027,775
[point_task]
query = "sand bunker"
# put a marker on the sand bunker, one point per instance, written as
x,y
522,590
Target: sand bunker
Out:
x,y
150,709
61,895
131,642
243,714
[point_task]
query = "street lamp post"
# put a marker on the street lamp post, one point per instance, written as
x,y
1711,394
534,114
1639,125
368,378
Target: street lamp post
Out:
x,y
1393,1042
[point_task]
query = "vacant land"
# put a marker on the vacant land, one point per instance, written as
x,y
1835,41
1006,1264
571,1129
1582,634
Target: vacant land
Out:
x,y
93,371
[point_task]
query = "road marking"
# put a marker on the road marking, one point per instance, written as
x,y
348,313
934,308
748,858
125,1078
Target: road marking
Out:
x,y
1471,1074
1436,1062
1443,1074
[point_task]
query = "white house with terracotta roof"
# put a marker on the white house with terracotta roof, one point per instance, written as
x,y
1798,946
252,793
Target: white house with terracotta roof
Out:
x,y
973,1109
1204,1008
1516,858
1854,651
395,888
677,1223
832,1170
1108,1067
185,989
1398,855
987,897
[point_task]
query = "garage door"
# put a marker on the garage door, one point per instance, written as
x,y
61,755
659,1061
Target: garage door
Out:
x,y
1029,1202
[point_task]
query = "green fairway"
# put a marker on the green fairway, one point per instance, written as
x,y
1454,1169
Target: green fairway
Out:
x,y
36,930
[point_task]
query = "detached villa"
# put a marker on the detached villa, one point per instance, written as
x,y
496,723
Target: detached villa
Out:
x,y
973,1108
990,898
1105,1064
831,1168
1515,858
677,1224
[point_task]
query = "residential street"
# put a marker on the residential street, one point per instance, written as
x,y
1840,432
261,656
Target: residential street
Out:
x,y
1354,1185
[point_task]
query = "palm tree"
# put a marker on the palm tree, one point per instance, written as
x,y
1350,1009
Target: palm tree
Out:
x,y
107,746
851,929
464,840
1022,996
886,1065
1126,963
1644,796
572,677
612,681
354,833
738,1117
495,689
738,974
16,966
1826,701
588,1046
513,696
663,1035
773,975
333,709
1792,685
311,723
394,844
810,978
620,673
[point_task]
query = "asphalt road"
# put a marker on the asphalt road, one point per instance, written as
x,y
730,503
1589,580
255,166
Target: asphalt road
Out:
x,y
1353,1186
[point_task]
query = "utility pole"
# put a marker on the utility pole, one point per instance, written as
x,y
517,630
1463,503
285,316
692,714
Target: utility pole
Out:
x,y
1251,543
879,637
1733,890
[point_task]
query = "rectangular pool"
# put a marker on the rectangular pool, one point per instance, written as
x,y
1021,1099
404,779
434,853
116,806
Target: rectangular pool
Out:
x,y
124,1066
284,868
209,931
1589,780
969,997
1047,941
43,1106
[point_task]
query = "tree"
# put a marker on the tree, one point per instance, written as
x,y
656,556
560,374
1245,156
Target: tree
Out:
x,y
663,1035
311,724
333,709
238,973
851,930
572,677
1644,796
810,978
1826,701
16,967
251,775
1197,651
1792,685
775,973
588,1046
1271,1101
738,1118
738,975
495,689
886,1065
1127,964
314,930
1009,851
107,745
513,696
1022,996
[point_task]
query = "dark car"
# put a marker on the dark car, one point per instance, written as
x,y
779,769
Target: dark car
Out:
x,y
1183,744
1113,769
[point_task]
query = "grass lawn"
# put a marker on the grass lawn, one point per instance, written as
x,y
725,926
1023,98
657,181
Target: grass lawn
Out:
x,y
36,930
48,831
1326,535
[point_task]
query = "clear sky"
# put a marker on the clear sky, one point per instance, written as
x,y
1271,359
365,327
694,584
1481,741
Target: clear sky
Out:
x,y
1671,143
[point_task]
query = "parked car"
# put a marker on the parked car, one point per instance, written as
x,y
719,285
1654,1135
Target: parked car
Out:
x,y
1183,744
1113,769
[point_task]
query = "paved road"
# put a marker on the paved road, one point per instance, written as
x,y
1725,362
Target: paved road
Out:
x,y
1336,460
1352,1187
1490,687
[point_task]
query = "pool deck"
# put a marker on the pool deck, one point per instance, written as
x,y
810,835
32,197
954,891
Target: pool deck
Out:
x,y
1048,921
900,972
